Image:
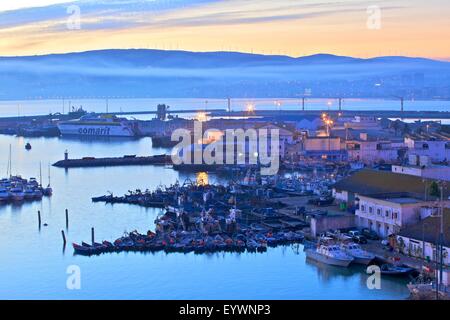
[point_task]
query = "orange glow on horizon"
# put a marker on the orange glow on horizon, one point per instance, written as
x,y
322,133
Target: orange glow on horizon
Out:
x,y
418,31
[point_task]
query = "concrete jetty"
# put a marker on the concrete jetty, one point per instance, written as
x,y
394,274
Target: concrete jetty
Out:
x,y
130,160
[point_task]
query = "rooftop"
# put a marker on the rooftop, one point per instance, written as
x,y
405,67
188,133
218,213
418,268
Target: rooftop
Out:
x,y
400,197
372,182
431,136
428,229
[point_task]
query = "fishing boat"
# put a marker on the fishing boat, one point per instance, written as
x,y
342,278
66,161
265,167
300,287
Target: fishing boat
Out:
x,y
28,193
329,254
395,270
82,249
37,194
33,182
5,195
17,194
359,255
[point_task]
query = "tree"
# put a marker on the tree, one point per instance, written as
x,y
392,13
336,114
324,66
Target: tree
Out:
x,y
434,189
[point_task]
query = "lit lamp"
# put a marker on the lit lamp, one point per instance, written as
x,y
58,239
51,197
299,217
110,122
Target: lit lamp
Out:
x,y
201,116
250,108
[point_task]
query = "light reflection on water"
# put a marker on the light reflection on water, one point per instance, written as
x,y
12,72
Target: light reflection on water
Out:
x,y
33,264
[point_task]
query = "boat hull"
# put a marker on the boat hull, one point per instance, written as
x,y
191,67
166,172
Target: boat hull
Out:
x,y
119,130
18,197
362,260
312,254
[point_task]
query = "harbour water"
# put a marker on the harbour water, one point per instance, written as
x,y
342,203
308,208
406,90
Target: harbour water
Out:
x,y
34,264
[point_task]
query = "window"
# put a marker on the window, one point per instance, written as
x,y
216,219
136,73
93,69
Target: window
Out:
x,y
425,146
387,213
363,208
395,215
370,210
378,211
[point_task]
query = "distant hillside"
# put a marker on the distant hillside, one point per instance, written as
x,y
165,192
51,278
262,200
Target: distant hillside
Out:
x,y
157,73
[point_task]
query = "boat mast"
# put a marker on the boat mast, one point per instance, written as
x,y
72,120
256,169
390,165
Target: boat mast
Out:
x,y
9,173
40,173
49,174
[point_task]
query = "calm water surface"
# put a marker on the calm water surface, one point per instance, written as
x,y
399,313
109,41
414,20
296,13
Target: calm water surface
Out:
x,y
36,107
33,264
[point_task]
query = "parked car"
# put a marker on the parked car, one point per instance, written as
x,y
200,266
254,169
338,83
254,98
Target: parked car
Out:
x,y
321,201
359,239
369,234
354,233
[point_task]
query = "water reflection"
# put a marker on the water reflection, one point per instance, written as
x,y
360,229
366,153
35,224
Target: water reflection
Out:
x,y
277,274
326,272
202,178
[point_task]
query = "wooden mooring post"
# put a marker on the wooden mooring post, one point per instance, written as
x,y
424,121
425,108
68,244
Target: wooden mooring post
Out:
x,y
39,218
64,237
67,219
92,235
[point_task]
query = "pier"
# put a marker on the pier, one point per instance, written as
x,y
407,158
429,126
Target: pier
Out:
x,y
335,113
130,160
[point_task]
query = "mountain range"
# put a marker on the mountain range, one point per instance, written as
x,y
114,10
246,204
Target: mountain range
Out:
x,y
143,73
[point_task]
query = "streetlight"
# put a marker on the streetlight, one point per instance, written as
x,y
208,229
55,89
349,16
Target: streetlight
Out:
x,y
201,116
250,108
439,283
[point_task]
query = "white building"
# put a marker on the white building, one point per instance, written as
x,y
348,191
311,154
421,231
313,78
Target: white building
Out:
x,y
419,240
387,214
436,147
431,171
370,151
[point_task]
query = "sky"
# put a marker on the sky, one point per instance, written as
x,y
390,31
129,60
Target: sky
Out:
x,y
292,27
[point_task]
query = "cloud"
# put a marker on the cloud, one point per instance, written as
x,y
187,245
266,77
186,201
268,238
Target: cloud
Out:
x,y
113,14
93,8
203,25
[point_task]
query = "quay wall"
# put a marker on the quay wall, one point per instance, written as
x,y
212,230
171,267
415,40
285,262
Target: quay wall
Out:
x,y
108,162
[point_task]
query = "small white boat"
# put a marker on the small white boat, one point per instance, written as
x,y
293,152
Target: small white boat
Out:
x,y
329,254
359,255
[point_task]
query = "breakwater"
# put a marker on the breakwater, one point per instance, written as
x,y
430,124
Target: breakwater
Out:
x,y
129,160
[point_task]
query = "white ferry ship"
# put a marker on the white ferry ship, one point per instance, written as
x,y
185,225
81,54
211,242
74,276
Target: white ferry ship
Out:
x,y
99,126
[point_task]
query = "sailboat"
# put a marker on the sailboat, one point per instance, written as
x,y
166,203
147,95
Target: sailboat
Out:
x,y
48,191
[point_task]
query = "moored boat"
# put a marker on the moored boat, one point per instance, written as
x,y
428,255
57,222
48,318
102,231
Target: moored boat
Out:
x,y
99,126
28,193
395,270
359,255
329,254
5,195
17,194
82,249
